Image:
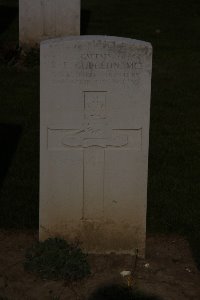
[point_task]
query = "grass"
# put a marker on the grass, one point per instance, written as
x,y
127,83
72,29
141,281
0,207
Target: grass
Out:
x,y
174,161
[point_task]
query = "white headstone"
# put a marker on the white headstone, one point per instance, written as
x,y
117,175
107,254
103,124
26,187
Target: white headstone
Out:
x,y
43,19
95,106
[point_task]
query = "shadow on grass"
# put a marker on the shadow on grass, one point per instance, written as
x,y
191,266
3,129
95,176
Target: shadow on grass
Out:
x,y
7,15
118,292
10,134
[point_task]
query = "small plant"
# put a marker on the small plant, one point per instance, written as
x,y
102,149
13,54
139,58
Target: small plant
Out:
x,y
56,259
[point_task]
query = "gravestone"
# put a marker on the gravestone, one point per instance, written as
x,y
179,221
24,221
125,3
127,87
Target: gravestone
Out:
x,y
95,106
43,19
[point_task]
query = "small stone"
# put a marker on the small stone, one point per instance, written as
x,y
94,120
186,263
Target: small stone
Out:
x,y
188,270
147,265
125,273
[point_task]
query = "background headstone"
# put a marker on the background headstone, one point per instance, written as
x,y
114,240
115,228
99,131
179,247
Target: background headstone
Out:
x,y
95,106
43,19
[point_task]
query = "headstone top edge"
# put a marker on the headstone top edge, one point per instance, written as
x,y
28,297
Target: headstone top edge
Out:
x,y
86,38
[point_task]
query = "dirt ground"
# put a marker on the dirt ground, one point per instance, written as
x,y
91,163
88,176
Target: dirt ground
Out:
x,y
168,271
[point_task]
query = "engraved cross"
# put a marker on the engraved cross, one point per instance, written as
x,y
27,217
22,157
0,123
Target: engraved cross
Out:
x,y
93,138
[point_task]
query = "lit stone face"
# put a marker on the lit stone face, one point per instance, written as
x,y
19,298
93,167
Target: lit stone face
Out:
x,y
95,105
43,19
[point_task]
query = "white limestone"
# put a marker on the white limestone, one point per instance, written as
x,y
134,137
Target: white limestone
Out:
x,y
95,106
43,19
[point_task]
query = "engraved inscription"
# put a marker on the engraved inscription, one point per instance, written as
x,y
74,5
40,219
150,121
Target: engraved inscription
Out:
x,y
117,65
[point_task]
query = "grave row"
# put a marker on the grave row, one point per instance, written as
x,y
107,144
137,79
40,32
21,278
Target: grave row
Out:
x,y
94,130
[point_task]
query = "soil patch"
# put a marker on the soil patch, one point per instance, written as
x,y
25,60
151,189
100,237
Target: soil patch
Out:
x,y
168,271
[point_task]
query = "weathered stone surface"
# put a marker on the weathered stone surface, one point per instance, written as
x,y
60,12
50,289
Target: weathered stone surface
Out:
x,y
95,106
43,19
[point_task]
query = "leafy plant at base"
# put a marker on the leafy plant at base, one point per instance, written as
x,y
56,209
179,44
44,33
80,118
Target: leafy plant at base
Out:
x,y
56,259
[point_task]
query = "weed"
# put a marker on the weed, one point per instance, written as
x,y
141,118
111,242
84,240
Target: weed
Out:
x,y
56,259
